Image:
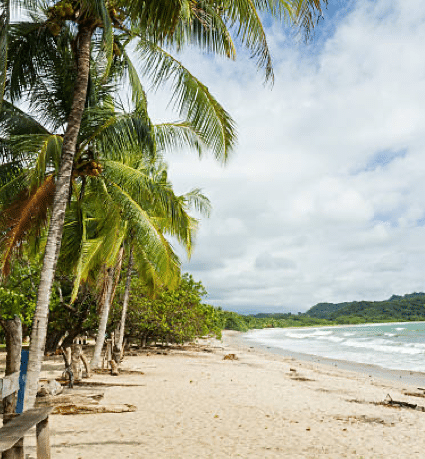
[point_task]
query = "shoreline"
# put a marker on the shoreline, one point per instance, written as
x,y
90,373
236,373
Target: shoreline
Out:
x,y
412,378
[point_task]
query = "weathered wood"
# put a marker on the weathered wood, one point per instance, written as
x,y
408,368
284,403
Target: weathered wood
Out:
x,y
9,385
69,399
17,450
399,404
86,364
66,353
76,362
14,430
122,372
93,409
43,439
99,383
114,368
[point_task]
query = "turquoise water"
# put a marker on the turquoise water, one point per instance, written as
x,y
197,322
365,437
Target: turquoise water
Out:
x,y
396,346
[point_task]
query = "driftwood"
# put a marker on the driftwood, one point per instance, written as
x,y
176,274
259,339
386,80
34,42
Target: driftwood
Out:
x,y
99,383
69,399
104,371
415,394
230,357
397,404
92,409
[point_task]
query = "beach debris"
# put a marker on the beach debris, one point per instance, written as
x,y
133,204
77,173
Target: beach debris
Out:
x,y
301,378
106,371
100,383
49,387
364,418
69,399
230,357
414,394
295,376
388,401
93,409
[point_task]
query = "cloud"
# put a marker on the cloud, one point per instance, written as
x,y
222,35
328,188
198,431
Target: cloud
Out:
x,y
265,261
324,196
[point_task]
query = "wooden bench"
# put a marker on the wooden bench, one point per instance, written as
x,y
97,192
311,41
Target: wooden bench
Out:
x,y
17,425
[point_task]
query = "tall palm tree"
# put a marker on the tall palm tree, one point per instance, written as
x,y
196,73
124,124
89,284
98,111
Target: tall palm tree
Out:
x,y
106,28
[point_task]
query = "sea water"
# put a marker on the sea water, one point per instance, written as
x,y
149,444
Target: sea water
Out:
x,y
396,346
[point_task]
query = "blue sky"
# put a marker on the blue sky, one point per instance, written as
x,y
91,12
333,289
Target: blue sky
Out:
x,y
323,199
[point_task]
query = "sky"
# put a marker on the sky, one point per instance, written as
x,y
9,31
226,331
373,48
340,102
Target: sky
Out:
x,y
323,199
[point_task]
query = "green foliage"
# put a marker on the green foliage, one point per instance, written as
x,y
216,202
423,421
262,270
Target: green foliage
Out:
x,y
175,316
409,307
13,303
18,295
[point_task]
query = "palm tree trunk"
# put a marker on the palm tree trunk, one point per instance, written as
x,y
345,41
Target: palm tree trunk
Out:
x,y
100,339
13,332
54,237
109,297
125,300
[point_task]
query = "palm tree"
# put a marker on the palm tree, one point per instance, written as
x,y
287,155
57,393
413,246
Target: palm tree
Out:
x,y
111,181
106,28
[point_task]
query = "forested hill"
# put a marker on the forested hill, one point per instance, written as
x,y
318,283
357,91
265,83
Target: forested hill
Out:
x,y
397,308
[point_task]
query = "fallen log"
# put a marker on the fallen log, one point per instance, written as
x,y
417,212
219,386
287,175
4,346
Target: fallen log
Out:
x,y
106,371
68,399
397,404
414,394
92,409
99,383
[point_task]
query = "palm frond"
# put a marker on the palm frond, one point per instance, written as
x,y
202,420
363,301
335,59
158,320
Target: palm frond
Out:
x,y
172,136
243,16
137,91
100,8
144,230
88,252
12,187
307,13
29,44
158,18
119,132
205,29
192,98
14,121
27,214
199,201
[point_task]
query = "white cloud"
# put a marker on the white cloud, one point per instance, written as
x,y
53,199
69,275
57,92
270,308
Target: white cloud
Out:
x,y
326,187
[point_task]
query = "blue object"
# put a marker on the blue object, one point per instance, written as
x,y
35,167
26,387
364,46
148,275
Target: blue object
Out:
x,y
22,381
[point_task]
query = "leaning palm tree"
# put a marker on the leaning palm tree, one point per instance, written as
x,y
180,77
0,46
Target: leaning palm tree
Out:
x,y
173,219
108,28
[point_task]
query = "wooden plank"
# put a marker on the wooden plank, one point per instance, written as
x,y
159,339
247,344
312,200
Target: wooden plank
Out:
x,y
14,430
43,440
9,385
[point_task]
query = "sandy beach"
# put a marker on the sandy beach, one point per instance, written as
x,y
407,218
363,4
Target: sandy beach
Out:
x,y
191,403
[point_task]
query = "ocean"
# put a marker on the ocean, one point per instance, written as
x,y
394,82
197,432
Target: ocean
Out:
x,y
394,346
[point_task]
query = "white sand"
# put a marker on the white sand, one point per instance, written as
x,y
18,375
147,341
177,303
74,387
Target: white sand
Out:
x,y
197,405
